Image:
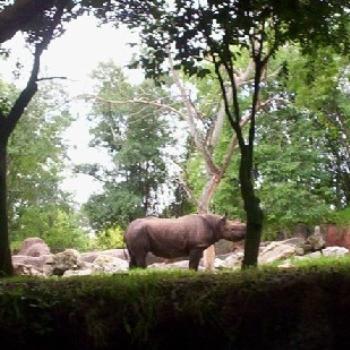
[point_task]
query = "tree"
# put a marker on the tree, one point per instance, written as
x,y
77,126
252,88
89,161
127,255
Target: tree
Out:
x,y
301,148
219,31
136,137
25,15
36,155
41,38
20,15
322,89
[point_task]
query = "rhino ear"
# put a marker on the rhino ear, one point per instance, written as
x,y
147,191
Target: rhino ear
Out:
x,y
223,218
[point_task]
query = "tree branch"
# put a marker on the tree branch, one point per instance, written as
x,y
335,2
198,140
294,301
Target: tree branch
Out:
x,y
182,182
29,91
190,117
160,105
51,78
17,16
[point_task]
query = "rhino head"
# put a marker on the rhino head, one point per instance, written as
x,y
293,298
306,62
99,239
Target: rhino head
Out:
x,y
233,230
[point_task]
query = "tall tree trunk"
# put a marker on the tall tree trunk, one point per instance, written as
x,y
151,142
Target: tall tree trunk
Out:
x,y
6,268
252,208
203,208
8,123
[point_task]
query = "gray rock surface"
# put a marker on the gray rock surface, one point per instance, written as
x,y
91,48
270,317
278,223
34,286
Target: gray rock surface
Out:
x,y
35,247
276,251
335,252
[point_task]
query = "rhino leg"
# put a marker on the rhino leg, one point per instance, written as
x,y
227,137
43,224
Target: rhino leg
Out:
x,y
132,262
195,257
138,260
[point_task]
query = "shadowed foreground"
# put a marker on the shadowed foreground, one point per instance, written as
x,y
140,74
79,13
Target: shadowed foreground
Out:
x,y
307,308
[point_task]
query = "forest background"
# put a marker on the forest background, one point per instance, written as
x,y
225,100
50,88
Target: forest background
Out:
x,y
160,140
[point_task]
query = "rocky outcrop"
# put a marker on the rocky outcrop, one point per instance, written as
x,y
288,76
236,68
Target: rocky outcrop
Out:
x,y
335,252
276,251
23,264
35,247
69,259
109,264
71,263
316,240
116,253
31,258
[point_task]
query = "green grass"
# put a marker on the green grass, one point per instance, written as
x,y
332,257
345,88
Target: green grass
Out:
x,y
151,309
323,261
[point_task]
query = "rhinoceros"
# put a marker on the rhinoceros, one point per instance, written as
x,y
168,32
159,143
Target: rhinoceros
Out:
x,y
188,235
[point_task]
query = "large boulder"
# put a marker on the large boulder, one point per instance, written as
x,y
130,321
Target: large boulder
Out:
x,y
335,252
27,270
90,257
316,240
35,247
233,261
223,247
69,259
86,271
21,263
276,251
109,264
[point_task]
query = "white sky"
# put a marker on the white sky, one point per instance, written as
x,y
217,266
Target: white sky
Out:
x,y
75,55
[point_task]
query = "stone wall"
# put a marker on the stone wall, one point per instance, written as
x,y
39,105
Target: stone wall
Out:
x,y
337,235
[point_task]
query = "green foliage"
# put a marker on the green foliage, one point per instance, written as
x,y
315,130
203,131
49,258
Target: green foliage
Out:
x,y
36,155
230,23
110,238
340,217
136,136
296,185
148,309
58,228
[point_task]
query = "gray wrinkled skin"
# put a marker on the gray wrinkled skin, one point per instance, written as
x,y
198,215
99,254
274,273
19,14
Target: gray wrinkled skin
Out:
x,y
187,236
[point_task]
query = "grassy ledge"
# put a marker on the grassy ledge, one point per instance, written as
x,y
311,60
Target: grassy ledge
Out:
x,y
305,307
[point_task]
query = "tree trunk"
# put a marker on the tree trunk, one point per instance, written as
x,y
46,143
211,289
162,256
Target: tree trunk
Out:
x,y
252,208
6,268
203,208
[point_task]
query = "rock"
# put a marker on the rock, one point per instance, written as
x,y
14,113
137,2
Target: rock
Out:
x,y
117,253
314,255
27,270
276,251
84,272
37,262
335,251
35,247
69,259
300,251
109,264
223,247
160,266
183,264
234,260
286,265
219,263
316,240
294,241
